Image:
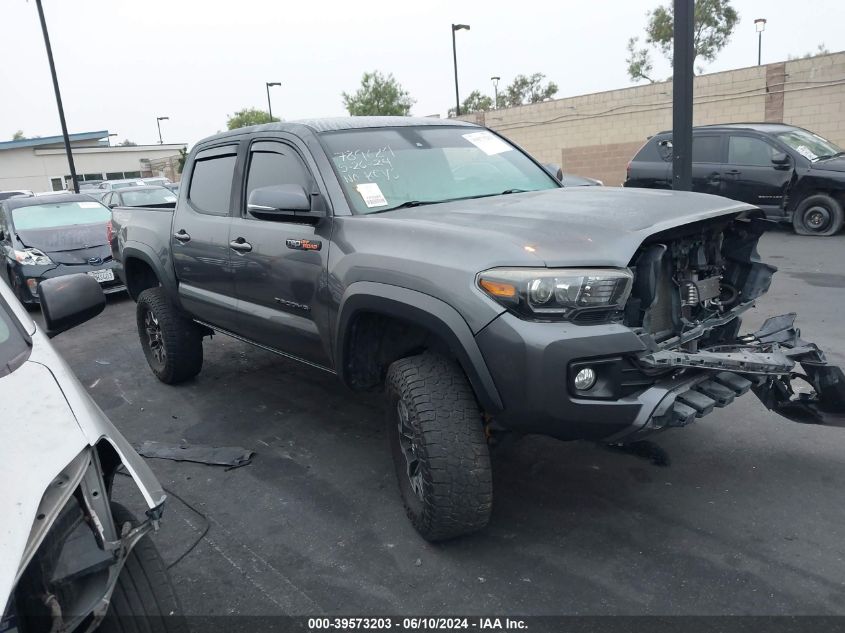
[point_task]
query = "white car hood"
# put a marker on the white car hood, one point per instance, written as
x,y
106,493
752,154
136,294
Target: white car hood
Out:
x,y
40,435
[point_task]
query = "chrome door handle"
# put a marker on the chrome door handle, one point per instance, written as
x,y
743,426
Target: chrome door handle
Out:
x,y
240,245
182,236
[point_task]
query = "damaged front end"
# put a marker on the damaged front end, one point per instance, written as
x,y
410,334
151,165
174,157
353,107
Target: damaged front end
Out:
x,y
74,554
690,287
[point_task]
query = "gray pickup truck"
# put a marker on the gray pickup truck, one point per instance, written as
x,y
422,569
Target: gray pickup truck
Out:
x,y
438,262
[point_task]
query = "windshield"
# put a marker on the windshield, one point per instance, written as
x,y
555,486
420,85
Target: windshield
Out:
x,y
45,216
123,185
383,168
13,346
148,197
809,145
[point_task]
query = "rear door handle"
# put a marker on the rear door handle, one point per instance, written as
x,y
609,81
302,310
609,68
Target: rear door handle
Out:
x,y
240,245
182,236
733,172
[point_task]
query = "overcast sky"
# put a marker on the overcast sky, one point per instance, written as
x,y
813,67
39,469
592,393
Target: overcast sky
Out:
x,y
122,63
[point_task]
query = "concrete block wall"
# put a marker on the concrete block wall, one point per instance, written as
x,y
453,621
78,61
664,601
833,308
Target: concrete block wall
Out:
x,y
597,134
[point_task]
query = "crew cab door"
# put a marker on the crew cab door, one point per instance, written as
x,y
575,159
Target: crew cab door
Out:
x,y
199,238
280,261
707,162
751,176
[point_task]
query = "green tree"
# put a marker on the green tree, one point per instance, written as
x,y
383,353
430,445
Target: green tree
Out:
x,y
713,23
378,95
528,89
127,143
183,156
475,102
821,49
248,116
18,136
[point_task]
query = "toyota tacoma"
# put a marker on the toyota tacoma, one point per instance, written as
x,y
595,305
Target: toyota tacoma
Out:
x,y
440,263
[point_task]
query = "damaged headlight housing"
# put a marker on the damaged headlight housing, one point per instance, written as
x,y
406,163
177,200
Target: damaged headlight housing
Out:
x,y
33,257
556,293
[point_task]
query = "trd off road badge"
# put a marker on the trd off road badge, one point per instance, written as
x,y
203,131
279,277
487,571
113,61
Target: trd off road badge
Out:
x,y
304,245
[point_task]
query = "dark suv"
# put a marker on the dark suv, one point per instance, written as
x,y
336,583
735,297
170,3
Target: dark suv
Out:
x,y
792,174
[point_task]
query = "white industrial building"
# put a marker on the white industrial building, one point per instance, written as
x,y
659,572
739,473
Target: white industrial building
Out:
x,y
40,164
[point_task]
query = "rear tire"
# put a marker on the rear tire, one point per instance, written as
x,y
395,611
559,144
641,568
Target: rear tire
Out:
x,y
171,342
818,215
439,450
144,598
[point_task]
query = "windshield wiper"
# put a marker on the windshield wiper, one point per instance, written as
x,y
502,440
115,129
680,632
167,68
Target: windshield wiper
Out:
x,y
419,203
829,156
406,205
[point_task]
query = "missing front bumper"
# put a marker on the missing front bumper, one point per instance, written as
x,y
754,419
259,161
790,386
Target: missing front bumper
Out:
x,y
765,362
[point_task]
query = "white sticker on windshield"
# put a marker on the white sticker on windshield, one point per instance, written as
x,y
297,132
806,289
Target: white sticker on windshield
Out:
x,y
372,195
488,143
806,152
89,205
170,198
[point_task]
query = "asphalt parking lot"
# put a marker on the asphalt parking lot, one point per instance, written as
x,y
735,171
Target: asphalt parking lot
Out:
x,y
748,518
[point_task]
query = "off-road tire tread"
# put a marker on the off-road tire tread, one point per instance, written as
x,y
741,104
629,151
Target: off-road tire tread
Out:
x,y
457,477
182,337
144,600
836,210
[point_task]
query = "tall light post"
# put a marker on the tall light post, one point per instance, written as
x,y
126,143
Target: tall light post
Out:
x,y
683,56
65,136
269,104
495,81
159,119
457,27
760,26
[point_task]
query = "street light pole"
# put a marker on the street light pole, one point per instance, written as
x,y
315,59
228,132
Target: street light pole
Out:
x,y
760,26
495,81
682,93
65,136
269,104
457,27
159,119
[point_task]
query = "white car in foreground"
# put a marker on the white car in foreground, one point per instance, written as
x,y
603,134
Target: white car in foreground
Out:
x,y
70,557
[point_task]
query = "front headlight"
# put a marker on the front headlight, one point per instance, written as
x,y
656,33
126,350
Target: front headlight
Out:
x,y
556,293
33,257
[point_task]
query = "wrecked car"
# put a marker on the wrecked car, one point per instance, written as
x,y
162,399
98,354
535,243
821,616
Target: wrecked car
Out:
x,y
438,262
72,557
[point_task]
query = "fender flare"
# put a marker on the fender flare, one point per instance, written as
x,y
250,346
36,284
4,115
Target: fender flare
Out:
x,y
144,253
423,310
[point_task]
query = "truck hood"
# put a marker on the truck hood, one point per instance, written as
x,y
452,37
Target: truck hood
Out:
x,y
596,226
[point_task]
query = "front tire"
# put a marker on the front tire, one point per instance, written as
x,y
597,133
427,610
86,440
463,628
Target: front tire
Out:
x,y
439,450
171,342
143,598
818,215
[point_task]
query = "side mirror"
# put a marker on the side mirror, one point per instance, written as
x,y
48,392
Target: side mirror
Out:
x,y
781,160
279,201
69,300
554,169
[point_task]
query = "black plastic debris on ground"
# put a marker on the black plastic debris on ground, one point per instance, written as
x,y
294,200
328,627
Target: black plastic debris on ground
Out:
x,y
231,456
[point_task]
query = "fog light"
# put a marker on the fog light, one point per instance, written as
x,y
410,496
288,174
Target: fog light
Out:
x,y
585,379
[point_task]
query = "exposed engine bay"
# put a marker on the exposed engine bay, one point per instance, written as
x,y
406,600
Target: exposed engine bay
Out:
x,y
690,287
